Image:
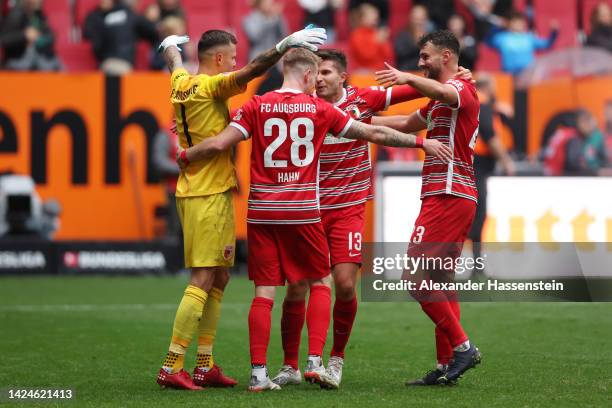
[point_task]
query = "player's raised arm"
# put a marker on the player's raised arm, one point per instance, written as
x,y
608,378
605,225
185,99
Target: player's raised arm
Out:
x,y
406,124
427,87
172,52
390,137
310,38
228,137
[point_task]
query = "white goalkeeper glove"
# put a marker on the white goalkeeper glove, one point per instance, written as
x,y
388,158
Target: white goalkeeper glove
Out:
x,y
310,37
173,41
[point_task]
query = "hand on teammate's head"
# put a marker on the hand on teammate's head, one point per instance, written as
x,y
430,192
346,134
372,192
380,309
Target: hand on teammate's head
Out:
x,y
309,38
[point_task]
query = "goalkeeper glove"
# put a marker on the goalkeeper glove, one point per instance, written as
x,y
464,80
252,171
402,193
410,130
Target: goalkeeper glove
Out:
x,y
173,41
310,37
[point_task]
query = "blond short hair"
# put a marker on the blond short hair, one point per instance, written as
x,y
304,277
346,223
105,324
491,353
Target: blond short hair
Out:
x,y
302,59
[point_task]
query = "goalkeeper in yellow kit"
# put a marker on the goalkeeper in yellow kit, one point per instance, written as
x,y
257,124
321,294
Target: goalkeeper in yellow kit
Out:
x,y
203,192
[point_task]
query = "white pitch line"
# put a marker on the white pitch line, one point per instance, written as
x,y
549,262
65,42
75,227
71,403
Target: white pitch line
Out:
x,y
85,307
101,308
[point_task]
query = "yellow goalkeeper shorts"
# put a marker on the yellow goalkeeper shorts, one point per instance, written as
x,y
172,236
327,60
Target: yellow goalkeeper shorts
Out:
x,y
209,230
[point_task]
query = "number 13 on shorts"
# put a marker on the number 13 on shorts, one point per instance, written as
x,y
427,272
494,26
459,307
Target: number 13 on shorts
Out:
x,y
354,241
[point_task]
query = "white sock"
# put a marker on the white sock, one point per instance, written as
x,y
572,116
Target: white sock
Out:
x,y
442,367
316,360
259,372
465,346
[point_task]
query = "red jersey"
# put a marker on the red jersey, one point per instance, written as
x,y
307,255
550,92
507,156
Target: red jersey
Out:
x,y
288,128
457,128
346,171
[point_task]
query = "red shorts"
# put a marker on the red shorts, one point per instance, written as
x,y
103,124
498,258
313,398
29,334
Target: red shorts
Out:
x,y
442,219
279,253
344,231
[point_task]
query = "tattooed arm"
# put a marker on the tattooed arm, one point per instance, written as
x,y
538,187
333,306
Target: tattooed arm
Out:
x,y
173,59
389,137
258,66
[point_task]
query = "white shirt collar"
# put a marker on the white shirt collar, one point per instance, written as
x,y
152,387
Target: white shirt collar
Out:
x,y
342,99
288,90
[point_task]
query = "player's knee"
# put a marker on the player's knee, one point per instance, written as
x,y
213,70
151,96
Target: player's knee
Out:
x,y
203,278
267,292
345,277
345,289
326,281
222,277
296,291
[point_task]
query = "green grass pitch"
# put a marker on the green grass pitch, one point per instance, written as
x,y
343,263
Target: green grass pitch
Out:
x,y
106,338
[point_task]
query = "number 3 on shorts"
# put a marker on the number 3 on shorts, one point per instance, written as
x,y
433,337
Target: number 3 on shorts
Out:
x,y
417,235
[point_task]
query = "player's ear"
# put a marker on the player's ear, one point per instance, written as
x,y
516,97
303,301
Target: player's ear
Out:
x,y
344,76
307,75
446,56
219,58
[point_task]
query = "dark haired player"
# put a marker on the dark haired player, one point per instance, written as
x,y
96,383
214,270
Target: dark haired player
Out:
x,y
204,198
344,187
448,192
286,239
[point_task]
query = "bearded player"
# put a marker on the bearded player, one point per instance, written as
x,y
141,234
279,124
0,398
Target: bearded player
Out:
x,y
286,240
204,192
448,190
344,187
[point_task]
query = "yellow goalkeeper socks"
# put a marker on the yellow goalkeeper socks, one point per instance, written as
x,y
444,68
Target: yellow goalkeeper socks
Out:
x,y
186,321
205,359
208,329
173,363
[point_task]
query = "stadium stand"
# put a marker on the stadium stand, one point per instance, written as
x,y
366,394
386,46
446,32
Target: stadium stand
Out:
x,y
564,12
66,17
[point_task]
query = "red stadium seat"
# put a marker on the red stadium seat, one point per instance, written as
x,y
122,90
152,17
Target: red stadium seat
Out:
x,y
59,16
488,59
242,48
520,5
197,23
56,6
294,15
83,8
399,10
78,57
142,60
215,7
341,21
239,10
564,11
143,4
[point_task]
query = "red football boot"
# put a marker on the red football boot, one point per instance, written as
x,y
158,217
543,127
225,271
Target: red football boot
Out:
x,y
180,380
212,378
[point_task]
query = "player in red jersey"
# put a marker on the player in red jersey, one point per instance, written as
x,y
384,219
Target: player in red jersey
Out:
x,y
344,186
448,190
286,241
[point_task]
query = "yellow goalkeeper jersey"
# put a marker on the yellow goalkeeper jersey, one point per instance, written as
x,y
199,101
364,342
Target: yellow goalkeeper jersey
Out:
x,y
201,110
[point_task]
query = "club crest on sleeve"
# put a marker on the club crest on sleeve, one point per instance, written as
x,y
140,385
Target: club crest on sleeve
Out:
x,y
353,111
238,115
228,251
